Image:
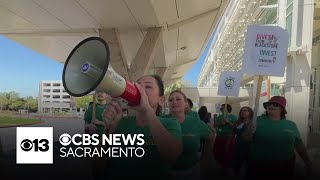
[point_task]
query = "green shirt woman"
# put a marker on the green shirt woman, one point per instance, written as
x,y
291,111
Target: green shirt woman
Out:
x,y
162,136
187,166
275,141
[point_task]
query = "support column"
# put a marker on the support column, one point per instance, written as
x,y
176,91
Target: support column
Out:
x,y
297,89
282,6
144,58
117,56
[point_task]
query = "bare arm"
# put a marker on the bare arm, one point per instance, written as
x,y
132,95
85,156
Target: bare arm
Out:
x,y
168,145
217,124
230,124
97,122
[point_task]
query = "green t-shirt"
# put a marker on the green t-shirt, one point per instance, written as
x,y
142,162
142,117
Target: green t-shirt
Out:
x,y
150,166
274,140
193,114
192,130
99,110
225,130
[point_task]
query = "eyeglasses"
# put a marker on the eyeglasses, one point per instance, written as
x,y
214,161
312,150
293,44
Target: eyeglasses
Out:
x,y
273,104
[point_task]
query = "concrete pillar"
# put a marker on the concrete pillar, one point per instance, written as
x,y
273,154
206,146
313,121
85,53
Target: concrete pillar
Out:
x,y
297,88
297,92
282,6
315,92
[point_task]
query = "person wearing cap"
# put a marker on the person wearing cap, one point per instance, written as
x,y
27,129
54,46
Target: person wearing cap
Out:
x,y
275,141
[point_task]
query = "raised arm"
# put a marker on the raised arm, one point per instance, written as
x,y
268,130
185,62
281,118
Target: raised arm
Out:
x,y
169,146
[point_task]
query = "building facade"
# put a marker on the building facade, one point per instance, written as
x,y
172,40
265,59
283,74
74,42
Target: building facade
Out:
x,y
53,97
300,85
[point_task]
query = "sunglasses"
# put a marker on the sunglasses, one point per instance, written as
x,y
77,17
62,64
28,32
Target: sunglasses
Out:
x,y
273,104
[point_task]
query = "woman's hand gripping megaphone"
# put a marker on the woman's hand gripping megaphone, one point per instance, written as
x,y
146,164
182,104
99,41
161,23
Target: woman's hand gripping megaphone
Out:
x,y
112,115
113,112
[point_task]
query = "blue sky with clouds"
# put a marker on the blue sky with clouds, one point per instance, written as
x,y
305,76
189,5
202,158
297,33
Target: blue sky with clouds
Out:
x,y
22,69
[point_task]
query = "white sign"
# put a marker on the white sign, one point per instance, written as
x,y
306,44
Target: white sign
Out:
x,y
265,51
229,83
34,145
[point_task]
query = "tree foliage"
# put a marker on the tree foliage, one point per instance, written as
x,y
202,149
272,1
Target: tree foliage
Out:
x,y
83,102
12,101
178,85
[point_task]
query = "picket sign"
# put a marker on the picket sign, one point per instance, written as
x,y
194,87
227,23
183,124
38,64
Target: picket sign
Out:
x,y
265,54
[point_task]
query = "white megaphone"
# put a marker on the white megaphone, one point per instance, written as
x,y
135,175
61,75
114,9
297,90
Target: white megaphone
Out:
x,y
87,69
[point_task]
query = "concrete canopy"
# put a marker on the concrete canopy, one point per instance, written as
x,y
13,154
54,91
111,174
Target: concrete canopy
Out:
x,y
54,28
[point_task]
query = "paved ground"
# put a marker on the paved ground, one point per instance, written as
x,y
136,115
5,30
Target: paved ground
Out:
x,y
60,126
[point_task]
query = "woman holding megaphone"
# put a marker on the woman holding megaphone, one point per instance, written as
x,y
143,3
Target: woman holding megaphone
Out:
x,y
162,135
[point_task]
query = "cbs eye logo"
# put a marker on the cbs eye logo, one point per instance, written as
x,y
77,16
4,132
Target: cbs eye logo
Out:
x,y
37,145
65,139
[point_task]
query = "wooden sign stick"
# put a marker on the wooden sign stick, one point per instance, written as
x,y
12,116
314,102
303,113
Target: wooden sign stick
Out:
x,y
225,107
93,109
256,103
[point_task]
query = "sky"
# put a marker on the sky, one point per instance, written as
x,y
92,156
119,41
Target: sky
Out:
x,y
196,68
22,68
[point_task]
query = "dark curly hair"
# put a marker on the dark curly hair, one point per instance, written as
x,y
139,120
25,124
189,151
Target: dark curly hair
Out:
x,y
161,89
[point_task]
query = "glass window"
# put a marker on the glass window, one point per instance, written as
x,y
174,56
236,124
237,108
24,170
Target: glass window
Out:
x,y
271,16
289,18
289,9
272,2
275,90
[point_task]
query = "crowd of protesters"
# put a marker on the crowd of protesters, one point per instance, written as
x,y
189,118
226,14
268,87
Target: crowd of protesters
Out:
x,y
184,141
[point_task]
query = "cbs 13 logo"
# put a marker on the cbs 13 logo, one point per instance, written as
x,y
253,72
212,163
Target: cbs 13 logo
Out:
x,y
36,144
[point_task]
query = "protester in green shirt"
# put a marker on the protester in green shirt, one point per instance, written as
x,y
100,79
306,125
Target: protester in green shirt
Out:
x,y
162,135
224,145
189,111
275,141
96,125
187,166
